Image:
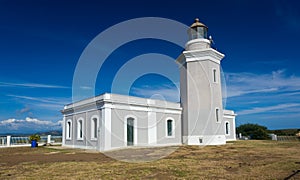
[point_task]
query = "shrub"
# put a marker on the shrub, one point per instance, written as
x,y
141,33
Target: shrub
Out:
x,y
35,137
254,131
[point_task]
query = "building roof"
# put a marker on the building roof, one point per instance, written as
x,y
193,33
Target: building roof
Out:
x,y
115,99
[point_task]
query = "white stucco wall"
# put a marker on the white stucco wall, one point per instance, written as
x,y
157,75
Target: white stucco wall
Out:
x,y
113,110
229,116
201,96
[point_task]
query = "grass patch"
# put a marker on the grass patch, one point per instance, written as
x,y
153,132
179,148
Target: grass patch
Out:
x,y
236,160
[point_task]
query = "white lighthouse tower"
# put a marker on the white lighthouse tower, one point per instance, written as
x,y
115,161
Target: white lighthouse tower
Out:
x,y
200,89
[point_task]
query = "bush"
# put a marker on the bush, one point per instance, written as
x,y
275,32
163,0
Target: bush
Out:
x,y
35,137
254,131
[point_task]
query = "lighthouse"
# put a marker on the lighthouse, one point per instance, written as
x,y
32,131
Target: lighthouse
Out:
x,y
200,89
120,121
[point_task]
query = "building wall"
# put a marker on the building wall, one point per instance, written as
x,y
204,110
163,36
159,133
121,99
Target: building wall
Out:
x,y
144,136
162,137
184,98
202,96
91,141
87,141
150,124
229,117
119,125
68,141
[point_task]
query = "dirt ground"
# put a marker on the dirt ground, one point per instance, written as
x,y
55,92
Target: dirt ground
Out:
x,y
44,155
236,160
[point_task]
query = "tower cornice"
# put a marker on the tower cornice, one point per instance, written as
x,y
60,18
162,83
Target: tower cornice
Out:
x,y
208,54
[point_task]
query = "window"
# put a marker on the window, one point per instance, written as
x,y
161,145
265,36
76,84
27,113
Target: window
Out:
x,y
170,127
130,131
217,114
80,129
227,128
94,128
214,75
69,129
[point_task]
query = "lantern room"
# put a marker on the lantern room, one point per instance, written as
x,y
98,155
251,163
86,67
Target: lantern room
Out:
x,y
197,30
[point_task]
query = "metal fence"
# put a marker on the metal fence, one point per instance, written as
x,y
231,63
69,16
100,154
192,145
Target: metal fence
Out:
x,y
288,138
3,141
13,141
16,140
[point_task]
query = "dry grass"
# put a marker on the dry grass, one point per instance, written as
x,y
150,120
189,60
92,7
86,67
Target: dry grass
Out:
x,y
236,160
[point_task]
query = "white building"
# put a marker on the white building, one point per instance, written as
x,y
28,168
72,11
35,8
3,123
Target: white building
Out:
x,y
112,121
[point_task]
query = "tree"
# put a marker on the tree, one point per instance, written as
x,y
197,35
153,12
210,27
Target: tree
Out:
x,y
254,131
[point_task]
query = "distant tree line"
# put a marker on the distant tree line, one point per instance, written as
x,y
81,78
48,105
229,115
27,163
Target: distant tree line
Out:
x,y
255,131
285,132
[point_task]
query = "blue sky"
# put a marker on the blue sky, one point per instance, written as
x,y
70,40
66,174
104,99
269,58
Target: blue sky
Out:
x,y
42,41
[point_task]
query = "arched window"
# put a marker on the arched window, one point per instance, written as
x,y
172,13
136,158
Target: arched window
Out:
x,y
130,131
94,127
227,130
170,127
80,129
69,129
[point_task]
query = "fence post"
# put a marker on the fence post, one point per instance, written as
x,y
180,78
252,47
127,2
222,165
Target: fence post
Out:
x,y
8,140
49,139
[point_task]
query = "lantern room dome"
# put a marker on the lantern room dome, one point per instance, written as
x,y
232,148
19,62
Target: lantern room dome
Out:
x,y
197,23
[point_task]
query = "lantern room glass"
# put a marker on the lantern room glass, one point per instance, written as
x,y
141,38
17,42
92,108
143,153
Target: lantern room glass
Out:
x,y
198,33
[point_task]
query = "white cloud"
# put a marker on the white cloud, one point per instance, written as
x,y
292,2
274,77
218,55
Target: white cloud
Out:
x,y
256,110
27,120
50,106
8,121
239,84
23,110
292,94
29,124
40,99
60,122
36,121
32,85
276,93
40,102
86,87
235,91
